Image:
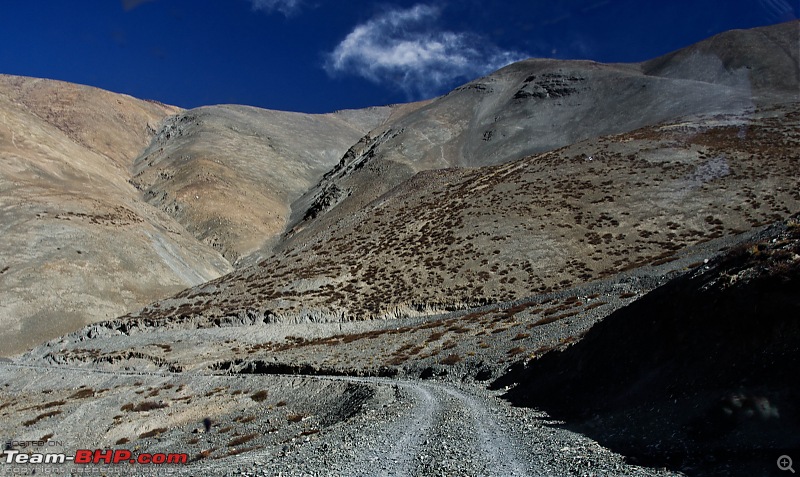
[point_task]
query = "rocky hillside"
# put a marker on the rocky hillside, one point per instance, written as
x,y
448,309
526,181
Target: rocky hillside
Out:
x,y
531,180
761,60
615,247
540,105
406,224
459,238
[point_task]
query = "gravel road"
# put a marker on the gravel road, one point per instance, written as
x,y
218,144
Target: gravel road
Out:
x,y
418,428
437,429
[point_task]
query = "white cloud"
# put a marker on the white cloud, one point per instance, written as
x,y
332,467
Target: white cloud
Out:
x,y
404,48
287,7
778,10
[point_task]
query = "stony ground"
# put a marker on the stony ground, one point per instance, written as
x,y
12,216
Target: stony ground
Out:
x,y
384,427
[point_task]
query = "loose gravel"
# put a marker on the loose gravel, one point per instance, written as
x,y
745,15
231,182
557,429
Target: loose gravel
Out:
x,y
435,429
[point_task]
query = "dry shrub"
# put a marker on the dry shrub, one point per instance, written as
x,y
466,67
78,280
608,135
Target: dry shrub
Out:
x,y
144,406
260,395
295,417
516,350
40,417
153,432
451,359
242,439
203,454
83,393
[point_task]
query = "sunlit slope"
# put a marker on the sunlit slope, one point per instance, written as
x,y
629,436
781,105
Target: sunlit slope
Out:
x,y
78,243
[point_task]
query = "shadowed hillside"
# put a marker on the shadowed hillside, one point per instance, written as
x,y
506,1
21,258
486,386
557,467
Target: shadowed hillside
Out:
x,y
704,360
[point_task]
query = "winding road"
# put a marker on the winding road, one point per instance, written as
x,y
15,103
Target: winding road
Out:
x,y
418,428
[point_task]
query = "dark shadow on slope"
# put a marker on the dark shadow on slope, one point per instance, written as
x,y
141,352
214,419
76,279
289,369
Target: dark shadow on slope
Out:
x,y
260,366
701,375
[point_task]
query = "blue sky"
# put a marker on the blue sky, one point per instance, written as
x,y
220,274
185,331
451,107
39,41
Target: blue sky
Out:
x,y
324,55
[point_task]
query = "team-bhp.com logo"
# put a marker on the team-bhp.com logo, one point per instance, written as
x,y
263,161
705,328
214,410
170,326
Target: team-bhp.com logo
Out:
x,y
97,456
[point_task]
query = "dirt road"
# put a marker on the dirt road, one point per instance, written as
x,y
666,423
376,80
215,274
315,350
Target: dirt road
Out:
x,y
408,428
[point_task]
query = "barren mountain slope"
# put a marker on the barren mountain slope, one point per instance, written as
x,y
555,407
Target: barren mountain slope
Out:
x,y
531,249
78,244
230,173
458,238
377,238
114,125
